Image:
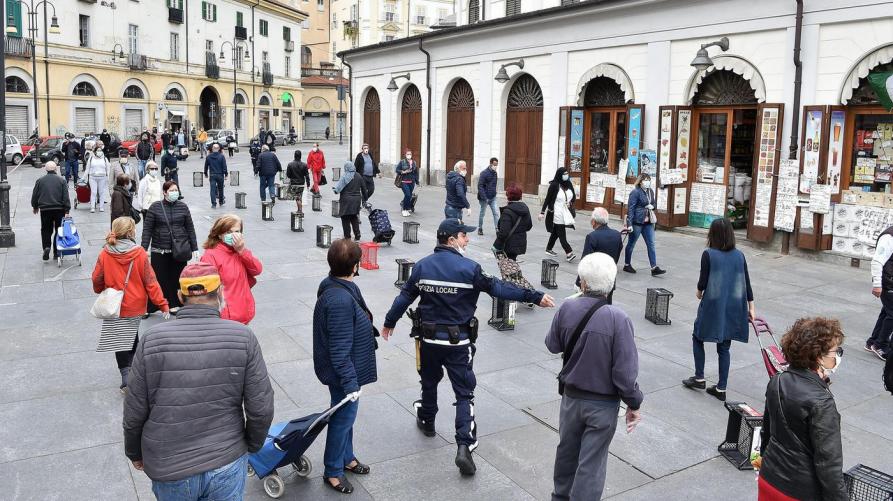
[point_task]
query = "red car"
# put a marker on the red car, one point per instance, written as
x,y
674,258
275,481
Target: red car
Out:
x,y
131,143
31,143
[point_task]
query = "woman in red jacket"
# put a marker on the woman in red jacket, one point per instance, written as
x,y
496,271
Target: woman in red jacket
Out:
x,y
316,161
124,265
237,267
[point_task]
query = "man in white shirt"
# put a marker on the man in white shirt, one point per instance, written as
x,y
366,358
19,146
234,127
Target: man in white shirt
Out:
x,y
882,287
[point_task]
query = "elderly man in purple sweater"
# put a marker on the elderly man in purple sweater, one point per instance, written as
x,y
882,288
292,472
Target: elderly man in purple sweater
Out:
x,y
600,370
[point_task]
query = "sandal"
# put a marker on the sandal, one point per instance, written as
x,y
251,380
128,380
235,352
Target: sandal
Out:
x,y
343,486
359,468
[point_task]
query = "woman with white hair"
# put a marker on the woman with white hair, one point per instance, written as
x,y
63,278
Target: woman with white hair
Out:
x,y
600,368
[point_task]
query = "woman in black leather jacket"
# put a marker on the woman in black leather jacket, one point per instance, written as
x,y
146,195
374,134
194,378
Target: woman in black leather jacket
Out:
x,y
800,442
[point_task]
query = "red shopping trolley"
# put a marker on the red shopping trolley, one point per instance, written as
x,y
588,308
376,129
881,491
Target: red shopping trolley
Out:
x,y
773,358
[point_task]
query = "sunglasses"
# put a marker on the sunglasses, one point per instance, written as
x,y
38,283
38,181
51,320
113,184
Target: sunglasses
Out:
x,y
838,352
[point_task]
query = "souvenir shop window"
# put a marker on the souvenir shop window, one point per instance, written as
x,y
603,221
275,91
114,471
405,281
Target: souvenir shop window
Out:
x,y
712,134
872,152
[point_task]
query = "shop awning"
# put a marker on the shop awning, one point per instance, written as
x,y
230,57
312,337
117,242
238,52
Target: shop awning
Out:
x,y
286,97
880,56
734,64
177,113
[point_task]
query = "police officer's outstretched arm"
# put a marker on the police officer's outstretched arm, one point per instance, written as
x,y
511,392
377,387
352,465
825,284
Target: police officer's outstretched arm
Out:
x,y
408,294
505,290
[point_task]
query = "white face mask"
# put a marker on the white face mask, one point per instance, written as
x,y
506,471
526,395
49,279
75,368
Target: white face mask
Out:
x,y
314,149
153,172
122,160
646,185
565,177
409,157
98,153
837,361
463,173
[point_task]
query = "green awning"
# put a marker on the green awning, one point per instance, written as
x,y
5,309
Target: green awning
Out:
x,y
286,97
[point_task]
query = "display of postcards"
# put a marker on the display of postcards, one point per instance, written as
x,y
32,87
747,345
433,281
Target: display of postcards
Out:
x,y
843,245
841,229
844,213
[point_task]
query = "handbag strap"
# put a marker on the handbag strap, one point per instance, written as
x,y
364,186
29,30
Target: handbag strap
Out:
x,y
169,229
784,418
572,342
127,277
514,227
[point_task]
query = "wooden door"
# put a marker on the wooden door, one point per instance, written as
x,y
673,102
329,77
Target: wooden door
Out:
x,y
411,123
673,159
460,127
372,124
524,134
770,120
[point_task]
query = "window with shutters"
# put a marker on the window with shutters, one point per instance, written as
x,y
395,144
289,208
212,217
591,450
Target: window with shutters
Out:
x,y
84,30
390,12
288,66
209,12
239,19
286,33
420,15
264,28
16,84
175,46
14,18
512,7
265,56
133,92
175,4
240,57
84,89
321,5
133,38
354,12
474,11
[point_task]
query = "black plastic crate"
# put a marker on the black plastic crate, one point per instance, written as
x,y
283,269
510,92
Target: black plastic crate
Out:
x,y
410,232
657,306
742,430
867,484
549,275
503,315
404,270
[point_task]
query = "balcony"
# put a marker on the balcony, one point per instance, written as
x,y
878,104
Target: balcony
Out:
x,y
241,33
138,61
267,75
351,29
211,68
18,47
289,46
320,72
174,15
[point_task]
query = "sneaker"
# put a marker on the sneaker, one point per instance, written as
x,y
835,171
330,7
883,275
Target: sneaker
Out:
x,y
102,209
480,232
570,257
46,254
92,210
694,384
213,206
222,203
716,392
551,252
879,352
629,269
657,271
869,347
405,213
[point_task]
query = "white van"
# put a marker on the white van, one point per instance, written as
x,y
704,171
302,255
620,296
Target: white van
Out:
x,y
13,150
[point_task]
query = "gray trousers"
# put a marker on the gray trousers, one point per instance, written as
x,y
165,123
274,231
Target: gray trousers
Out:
x,y
585,430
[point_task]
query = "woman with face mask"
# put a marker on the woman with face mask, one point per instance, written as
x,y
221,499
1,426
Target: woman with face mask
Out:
x,y
316,162
149,190
407,172
98,175
726,305
168,221
238,268
559,212
169,169
801,456
640,221
123,166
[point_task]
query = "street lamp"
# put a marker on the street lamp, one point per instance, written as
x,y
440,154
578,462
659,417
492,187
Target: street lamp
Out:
x,y
7,236
502,76
119,54
702,59
222,57
393,85
31,10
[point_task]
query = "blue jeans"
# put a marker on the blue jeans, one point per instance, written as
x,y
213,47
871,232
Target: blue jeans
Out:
x,y
71,170
407,196
492,204
647,232
141,165
339,437
452,212
217,183
725,360
267,183
226,483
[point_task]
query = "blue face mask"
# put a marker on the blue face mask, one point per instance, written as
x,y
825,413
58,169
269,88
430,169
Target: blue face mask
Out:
x,y
565,177
173,196
228,239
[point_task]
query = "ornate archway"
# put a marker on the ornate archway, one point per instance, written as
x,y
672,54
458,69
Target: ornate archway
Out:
x,y
724,87
460,126
610,72
524,134
603,91
733,64
372,123
411,122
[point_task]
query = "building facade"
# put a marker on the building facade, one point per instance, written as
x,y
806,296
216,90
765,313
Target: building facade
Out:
x,y
325,107
132,65
367,22
608,90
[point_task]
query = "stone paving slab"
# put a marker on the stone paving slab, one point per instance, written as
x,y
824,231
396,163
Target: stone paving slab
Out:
x,y
705,481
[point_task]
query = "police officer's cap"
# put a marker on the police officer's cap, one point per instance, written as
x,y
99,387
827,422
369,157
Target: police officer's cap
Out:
x,y
453,226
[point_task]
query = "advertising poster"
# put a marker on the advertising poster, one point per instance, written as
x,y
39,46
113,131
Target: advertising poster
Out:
x,y
679,196
648,162
666,129
634,136
576,163
683,136
835,150
766,166
811,150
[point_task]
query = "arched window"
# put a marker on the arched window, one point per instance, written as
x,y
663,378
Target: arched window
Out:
x,y
239,99
264,101
306,57
133,92
171,95
16,84
84,89
474,11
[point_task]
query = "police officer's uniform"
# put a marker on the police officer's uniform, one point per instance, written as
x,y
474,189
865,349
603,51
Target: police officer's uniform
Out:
x,y
449,285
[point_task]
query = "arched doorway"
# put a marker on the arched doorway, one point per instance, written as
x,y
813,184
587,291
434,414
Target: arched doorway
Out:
x,y
524,134
371,123
209,108
460,126
411,123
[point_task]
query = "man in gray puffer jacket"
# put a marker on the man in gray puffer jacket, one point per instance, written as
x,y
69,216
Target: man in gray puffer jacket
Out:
x,y
199,397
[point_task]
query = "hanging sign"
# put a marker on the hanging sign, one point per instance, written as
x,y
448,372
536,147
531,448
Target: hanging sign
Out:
x,y
634,137
835,150
786,196
820,199
576,164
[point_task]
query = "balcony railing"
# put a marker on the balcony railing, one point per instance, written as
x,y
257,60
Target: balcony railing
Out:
x,y
175,15
138,61
289,46
321,72
19,47
241,33
211,68
267,75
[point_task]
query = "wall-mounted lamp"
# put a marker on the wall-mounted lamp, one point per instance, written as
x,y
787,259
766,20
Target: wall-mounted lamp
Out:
x,y
119,54
502,76
393,85
702,60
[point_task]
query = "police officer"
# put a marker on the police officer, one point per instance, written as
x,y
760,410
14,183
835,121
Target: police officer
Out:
x,y
445,328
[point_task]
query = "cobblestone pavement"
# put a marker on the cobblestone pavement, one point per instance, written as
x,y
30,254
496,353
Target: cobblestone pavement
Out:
x,y
61,410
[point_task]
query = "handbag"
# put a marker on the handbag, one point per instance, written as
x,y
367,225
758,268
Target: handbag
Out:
x,y
322,180
572,343
108,304
135,215
180,249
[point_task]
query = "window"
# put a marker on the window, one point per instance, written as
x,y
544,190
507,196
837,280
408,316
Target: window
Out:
x,y
84,89
175,46
321,5
14,17
420,15
16,84
173,95
239,99
305,24
84,30
133,38
265,56
334,20
354,12
264,101
209,45
390,11
334,49
474,11
288,66
306,57
175,4
209,12
569,2
238,119
286,33
387,38
442,14
240,57
239,19
264,28
512,7
133,92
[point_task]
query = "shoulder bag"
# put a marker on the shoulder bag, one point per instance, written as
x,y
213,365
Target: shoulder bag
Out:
x,y
180,249
108,304
572,343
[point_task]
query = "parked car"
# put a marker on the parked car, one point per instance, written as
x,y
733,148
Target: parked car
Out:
x,y
281,137
30,143
50,148
219,136
13,150
131,143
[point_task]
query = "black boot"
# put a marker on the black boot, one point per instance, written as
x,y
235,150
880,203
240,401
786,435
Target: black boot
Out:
x,y
464,461
125,372
427,427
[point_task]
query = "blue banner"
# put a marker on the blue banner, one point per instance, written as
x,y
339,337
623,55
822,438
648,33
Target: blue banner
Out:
x,y
634,137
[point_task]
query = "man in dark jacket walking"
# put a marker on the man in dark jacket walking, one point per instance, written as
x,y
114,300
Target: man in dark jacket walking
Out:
x,y
267,167
216,171
199,398
368,168
603,239
50,199
72,151
487,194
144,151
455,192
106,139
